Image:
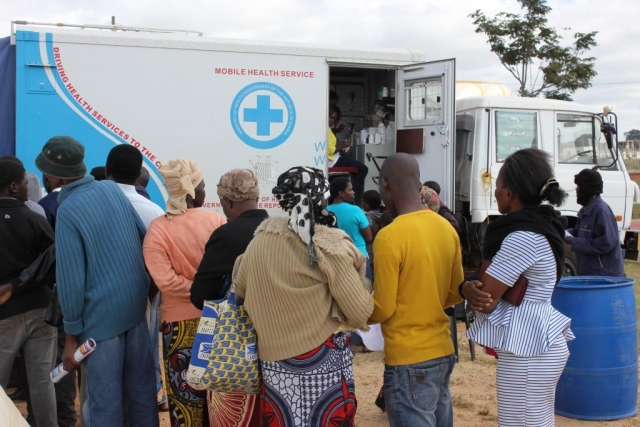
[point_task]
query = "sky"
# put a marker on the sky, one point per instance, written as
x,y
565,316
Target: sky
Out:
x,y
438,28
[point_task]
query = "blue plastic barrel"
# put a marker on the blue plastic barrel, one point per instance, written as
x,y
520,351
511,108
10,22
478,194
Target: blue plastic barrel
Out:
x,y
600,381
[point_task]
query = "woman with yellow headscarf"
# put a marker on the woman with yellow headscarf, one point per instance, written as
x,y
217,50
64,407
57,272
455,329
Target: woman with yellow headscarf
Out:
x,y
173,249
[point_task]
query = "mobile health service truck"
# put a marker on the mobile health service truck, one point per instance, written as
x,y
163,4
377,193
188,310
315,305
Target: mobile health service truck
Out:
x,y
224,103
264,105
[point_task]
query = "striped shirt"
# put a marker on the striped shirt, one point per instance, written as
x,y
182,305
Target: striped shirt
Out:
x,y
529,329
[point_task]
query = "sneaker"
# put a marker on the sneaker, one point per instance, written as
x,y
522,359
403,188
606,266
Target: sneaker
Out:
x,y
380,400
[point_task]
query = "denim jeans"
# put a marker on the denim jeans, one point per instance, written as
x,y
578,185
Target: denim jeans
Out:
x,y
418,395
120,374
37,340
154,333
369,273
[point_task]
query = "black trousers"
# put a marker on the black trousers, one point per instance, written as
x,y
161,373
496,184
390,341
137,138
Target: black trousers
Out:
x,y
65,390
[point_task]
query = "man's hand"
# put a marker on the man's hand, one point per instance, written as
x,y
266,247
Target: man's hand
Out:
x,y
68,361
6,291
568,239
476,299
5,297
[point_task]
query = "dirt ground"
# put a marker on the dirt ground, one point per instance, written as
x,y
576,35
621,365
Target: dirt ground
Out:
x,y
472,386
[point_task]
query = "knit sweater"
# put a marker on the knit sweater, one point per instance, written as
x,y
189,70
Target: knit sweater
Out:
x,y
292,306
173,249
102,281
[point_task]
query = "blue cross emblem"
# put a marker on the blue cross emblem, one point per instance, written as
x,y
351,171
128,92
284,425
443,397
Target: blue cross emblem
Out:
x,y
263,115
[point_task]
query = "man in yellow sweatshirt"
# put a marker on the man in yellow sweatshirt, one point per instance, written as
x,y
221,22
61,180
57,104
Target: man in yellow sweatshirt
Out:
x,y
418,270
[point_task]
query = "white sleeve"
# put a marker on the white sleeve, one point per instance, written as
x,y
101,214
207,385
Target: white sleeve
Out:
x,y
517,253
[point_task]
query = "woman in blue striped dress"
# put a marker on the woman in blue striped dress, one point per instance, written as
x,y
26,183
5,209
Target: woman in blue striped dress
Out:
x,y
531,338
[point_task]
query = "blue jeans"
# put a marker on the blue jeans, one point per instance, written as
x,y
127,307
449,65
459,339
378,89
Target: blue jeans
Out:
x,y
120,375
154,333
418,395
369,273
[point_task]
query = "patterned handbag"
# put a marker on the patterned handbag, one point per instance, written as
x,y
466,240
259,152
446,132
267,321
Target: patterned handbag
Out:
x,y
233,362
201,350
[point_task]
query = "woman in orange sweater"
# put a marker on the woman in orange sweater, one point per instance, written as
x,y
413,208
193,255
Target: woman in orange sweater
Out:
x,y
173,249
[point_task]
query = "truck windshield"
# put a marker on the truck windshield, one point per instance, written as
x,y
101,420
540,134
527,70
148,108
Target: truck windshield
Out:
x,y
576,136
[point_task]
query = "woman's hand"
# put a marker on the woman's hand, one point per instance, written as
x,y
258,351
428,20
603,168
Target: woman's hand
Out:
x,y
344,145
476,298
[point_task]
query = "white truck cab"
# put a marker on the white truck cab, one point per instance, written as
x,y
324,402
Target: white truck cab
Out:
x,y
489,129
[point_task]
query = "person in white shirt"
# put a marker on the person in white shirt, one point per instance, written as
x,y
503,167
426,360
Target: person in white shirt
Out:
x,y
124,165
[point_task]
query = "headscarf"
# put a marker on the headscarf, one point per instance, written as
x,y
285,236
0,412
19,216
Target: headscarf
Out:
x,y
430,199
181,177
238,185
300,192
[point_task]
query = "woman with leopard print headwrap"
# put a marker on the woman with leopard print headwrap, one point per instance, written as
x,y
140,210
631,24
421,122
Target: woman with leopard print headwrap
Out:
x,y
303,285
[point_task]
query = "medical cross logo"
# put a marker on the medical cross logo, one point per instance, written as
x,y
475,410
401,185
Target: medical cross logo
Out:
x,y
263,115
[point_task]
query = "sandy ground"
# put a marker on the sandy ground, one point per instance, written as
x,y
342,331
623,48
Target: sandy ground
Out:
x,y
472,386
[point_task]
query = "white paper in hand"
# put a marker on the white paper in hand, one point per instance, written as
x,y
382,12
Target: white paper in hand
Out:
x,y
373,339
85,349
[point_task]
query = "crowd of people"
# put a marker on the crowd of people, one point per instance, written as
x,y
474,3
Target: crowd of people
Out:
x,y
123,266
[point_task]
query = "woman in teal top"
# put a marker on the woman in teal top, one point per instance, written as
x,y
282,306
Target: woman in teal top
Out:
x,y
351,219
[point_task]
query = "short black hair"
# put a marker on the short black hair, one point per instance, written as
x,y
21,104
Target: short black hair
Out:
x,y
335,108
11,158
372,198
99,173
433,185
529,175
10,172
337,185
333,95
124,163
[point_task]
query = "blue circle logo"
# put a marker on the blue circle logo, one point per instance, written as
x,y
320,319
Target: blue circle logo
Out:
x,y
263,115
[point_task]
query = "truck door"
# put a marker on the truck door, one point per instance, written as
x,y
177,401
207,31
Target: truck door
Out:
x,y
581,145
425,119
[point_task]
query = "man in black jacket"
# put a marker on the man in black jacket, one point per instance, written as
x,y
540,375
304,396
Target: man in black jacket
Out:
x,y
24,299
238,192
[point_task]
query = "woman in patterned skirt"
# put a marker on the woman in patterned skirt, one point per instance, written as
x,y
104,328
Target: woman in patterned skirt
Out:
x,y
173,249
304,287
530,338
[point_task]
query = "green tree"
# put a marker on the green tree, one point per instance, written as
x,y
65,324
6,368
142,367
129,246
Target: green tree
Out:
x,y
632,135
525,45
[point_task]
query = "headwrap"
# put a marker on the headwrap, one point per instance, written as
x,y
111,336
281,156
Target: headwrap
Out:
x,y
430,199
238,185
181,177
300,192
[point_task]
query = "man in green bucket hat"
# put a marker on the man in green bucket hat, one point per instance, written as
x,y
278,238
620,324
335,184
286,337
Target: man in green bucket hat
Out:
x,y
103,288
